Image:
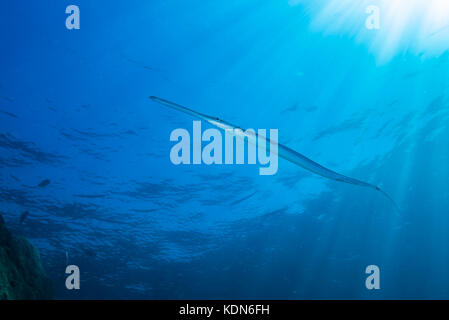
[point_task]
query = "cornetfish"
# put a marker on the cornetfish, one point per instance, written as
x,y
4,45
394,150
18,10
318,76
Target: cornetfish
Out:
x,y
283,151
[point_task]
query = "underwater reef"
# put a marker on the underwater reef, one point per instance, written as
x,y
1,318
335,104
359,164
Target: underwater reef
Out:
x,y
22,276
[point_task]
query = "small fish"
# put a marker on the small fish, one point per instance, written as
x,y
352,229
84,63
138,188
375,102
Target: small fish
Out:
x,y
12,115
44,183
23,216
290,109
244,198
67,257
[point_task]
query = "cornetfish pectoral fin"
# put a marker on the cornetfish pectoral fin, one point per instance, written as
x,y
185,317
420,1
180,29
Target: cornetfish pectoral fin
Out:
x,y
283,151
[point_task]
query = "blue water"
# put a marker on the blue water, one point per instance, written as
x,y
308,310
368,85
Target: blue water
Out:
x,y
370,104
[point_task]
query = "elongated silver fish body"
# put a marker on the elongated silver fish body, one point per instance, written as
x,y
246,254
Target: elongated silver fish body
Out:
x,y
283,151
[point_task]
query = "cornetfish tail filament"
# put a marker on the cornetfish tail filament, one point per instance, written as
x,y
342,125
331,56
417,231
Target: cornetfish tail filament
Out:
x,y
283,151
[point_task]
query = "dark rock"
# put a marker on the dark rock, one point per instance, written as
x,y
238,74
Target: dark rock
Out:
x,y
21,273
